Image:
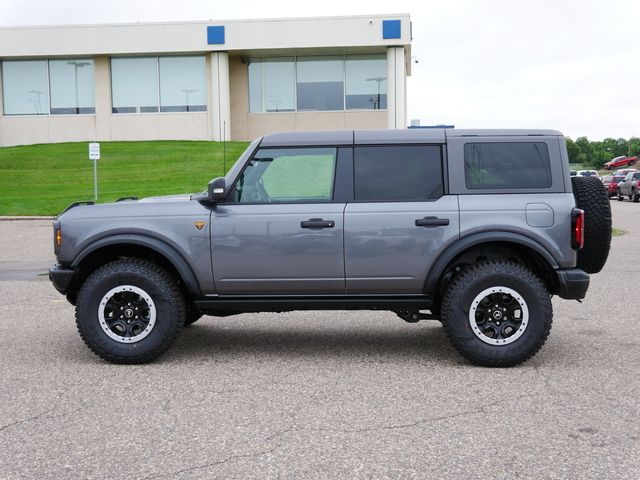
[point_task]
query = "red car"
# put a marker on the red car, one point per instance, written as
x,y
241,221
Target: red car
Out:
x,y
620,162
611,184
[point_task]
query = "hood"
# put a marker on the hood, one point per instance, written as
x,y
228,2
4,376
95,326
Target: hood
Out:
x,y
166,198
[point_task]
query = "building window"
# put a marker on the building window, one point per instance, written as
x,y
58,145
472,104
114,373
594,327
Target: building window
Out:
x,y
366,82
152,84
318,83
71,86
182,84
134,85
272,84
48,87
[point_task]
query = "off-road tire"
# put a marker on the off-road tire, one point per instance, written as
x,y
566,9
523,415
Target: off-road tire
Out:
x,y
636,196
192,314
591,196
161,287
457,303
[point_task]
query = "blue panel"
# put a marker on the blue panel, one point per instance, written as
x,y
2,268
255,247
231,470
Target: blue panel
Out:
x,y
215,35
391,29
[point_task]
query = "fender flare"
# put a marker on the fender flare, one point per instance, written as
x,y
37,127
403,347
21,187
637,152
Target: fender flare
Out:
x,y
171,254
438,267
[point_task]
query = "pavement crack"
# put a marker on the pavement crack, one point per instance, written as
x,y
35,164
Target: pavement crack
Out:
x,y
424,420
25,420
184,471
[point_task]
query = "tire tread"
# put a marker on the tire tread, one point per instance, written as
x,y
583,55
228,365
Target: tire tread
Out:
x,y
474,273
136,266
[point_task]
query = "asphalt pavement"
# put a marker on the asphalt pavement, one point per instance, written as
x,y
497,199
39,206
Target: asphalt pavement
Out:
x,y
317,394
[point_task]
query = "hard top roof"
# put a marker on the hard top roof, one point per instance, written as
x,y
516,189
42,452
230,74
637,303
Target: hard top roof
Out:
x,y
368,137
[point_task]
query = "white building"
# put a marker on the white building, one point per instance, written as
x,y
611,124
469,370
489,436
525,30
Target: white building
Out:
x,y
202,80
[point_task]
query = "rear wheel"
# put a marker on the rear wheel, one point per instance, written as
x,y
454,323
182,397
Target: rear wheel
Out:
x,y
635,196
129,311
497,314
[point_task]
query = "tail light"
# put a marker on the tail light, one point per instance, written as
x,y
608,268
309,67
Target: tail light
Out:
x,y
577,228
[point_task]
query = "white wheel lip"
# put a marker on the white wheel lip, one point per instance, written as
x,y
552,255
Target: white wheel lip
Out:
x,y
145,296
503,341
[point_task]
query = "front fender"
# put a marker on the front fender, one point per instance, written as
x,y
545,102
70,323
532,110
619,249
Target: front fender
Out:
x,y
168,252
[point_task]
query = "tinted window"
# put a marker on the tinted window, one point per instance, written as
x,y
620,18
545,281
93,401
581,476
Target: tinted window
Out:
x,y
506,165
287,175
408,172
636,176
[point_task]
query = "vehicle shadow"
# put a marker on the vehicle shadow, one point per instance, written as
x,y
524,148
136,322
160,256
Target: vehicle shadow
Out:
x,y
208,340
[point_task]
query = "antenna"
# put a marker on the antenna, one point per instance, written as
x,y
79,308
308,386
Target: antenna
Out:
x,y
224,148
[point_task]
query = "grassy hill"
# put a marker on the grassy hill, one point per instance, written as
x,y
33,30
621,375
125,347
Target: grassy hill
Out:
x,y
44,179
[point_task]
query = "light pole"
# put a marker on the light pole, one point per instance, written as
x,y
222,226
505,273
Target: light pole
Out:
x,y
379,80
77,64
36,103
187,91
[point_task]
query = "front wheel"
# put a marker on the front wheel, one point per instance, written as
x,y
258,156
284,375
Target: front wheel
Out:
x,y
130,311
620,197
497,313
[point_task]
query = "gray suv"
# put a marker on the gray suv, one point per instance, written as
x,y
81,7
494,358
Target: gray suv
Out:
x,y
474,228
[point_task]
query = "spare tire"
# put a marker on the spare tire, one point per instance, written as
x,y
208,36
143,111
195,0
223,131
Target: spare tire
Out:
x,y
591,196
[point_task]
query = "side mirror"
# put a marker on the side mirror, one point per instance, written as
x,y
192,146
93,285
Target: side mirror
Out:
x,y
217,189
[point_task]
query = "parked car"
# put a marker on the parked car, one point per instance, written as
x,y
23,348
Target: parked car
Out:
x,y
573,173
587,173
620,162
623,172
611,183
630,187
408,221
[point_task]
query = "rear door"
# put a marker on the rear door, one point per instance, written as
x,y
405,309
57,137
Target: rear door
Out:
x,y
400,219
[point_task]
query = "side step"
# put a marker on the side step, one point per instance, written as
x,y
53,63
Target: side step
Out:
x,y
280,303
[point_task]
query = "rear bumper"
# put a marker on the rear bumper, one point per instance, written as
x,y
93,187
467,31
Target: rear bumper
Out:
x,y
572,283
61,277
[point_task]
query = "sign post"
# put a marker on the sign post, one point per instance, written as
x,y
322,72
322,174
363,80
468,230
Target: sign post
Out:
x,y
94,154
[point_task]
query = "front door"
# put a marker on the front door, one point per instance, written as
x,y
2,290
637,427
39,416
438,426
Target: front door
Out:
x,y
280,233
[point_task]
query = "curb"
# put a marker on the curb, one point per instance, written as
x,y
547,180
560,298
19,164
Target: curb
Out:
x,y
17,219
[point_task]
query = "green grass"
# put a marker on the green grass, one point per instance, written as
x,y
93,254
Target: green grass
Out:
x,y
44,179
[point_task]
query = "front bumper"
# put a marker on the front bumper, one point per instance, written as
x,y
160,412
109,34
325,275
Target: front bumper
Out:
x,y
61,277
572,283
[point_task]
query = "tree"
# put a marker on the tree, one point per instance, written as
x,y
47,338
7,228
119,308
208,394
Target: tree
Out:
x,y
573,150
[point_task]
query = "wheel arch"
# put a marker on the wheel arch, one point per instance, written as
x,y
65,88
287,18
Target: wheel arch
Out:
x,y
524,247
140,246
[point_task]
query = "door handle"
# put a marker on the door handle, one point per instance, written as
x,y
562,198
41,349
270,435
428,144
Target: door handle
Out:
x,y
432,222
317,223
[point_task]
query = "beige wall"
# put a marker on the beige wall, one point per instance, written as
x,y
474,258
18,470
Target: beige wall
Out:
x,y
177,37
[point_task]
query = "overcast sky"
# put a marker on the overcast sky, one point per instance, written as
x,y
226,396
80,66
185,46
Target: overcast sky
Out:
x,y
570,65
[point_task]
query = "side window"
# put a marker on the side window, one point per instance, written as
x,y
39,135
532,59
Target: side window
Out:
x,y
507,165
636,176
287,175
398,173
